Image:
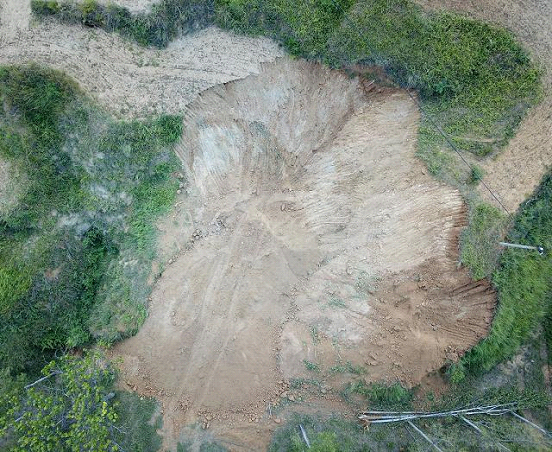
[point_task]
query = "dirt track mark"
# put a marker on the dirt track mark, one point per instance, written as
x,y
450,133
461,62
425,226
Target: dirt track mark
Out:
x,y
321,239
124,78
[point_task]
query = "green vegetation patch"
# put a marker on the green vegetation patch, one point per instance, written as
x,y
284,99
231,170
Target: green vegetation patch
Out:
x,y
304,28
524,284
480,251
74,405
76,250
139,420
328,435
383,396
167,19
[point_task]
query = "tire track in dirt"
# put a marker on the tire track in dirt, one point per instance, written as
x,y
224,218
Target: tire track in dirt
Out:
x,y
124,78
229,315
322,240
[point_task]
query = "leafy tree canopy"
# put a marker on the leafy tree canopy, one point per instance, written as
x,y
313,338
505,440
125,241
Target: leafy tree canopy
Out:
x,y
70,406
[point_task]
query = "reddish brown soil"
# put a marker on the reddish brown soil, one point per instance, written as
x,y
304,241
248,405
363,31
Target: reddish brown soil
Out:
x,y
307,237
309,244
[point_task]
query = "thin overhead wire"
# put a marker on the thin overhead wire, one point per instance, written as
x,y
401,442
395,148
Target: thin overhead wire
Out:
x,y
454,147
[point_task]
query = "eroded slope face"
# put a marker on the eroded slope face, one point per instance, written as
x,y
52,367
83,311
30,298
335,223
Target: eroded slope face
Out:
x,y
305,211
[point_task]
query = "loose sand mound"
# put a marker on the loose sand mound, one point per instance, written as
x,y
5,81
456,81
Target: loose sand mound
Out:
x,y
312,237
123,77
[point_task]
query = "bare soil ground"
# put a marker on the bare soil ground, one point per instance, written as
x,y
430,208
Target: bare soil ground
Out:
x,y
135,6
516,171
124,78
307,237
309,244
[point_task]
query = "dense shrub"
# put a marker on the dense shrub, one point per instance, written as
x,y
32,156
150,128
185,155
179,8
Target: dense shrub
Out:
x,y
63,246
524,284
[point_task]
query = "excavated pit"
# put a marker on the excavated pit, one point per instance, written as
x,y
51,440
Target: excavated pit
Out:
x,y
308,236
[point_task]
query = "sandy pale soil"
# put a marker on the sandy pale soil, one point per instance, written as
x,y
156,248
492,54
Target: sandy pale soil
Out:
x,y
124,78
307,235
311,238
135,6
518,169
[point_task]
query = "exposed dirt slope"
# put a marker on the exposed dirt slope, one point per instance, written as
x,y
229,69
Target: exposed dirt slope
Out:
x,y
312,237
124,78
308,235
517,170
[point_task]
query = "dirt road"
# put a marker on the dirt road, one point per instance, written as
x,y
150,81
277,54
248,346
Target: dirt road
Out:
x,y
516,171
124,78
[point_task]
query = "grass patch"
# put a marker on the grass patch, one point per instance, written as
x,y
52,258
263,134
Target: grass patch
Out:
x,y
139,423
76,250
524,284
547,329
309,365
348,367
304,28
167,20
383,396
336,302
480,251
333,434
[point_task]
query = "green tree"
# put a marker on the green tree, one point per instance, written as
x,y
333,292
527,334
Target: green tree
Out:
x,y
69,409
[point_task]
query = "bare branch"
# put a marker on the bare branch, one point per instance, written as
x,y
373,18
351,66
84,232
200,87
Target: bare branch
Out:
x,y
305,436
527,421
424,436
471,424
57,372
